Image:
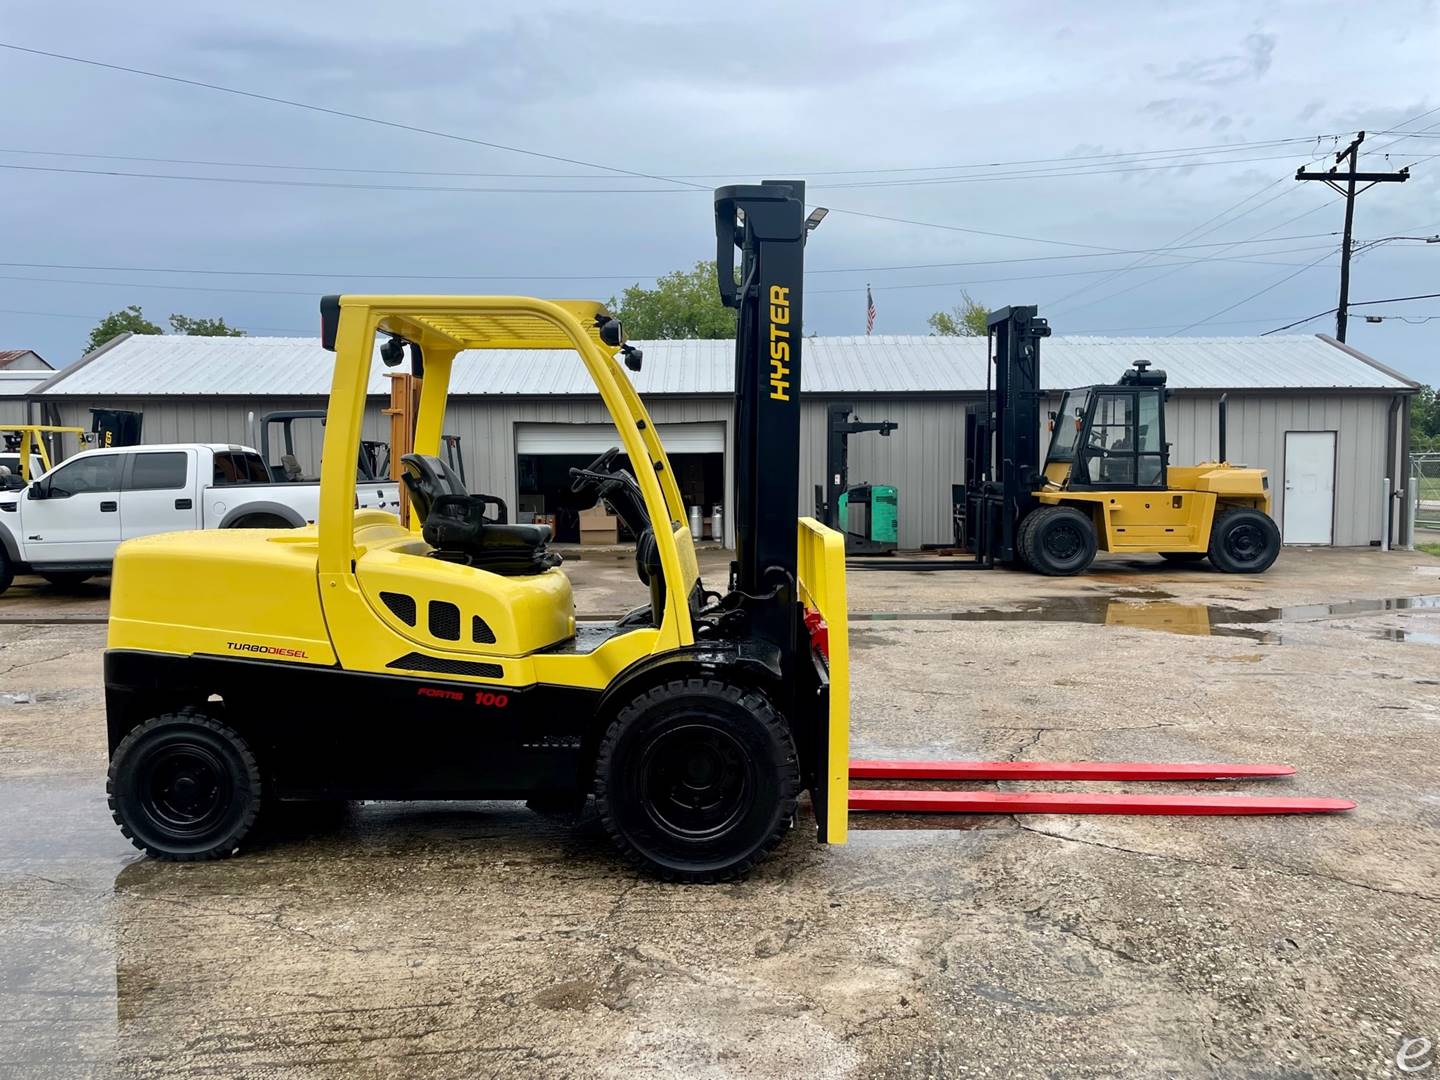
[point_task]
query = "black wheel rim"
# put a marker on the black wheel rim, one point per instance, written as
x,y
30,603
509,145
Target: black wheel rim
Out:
x,y
695,781
1063,542
1245,542
184,789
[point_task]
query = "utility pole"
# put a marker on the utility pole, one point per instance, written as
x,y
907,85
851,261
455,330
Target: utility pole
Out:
x,y
1351,178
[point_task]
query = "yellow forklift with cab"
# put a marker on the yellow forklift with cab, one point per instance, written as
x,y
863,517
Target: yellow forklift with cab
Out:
x,y
1105,482
364,659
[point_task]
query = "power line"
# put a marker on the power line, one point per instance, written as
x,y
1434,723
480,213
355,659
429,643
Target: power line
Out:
x,y
346,274
97,318
359,186
1076,160
994,281
1192,233
1359,303
262,181
1214,223
1216,257
394,124
297,292
1252,296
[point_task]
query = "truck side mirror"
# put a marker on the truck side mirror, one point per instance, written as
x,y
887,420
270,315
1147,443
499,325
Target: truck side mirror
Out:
x,y
40,489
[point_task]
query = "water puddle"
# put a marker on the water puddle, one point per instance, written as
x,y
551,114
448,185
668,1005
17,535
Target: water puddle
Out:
x,y
1175,617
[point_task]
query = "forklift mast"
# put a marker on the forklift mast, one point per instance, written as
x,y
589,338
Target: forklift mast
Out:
x,y
767,223
838,429
1002,437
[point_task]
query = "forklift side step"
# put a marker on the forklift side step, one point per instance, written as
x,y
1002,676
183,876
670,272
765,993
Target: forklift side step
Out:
x,y
1057,770
1054,802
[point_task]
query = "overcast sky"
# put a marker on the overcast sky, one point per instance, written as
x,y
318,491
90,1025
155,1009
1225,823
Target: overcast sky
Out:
x,y
832,93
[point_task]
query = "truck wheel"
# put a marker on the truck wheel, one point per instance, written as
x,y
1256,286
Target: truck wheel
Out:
x,y
696,780
184,786
261,521
1244,541
1182,556
67,579
7,571
1059,542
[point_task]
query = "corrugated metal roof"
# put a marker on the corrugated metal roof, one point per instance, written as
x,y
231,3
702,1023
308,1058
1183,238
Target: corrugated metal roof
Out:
x,y
20,383
155,365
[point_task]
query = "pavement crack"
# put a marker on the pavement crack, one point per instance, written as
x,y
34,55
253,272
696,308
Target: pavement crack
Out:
x,y
1288,871
44,660
1070,928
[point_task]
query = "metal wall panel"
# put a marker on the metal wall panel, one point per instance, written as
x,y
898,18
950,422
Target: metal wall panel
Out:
x,y
923,458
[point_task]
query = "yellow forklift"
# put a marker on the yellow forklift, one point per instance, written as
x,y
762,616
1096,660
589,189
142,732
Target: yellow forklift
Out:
x,y
363,659
1105,482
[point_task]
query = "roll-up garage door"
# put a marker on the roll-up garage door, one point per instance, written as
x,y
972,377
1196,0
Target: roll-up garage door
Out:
x,y
704,437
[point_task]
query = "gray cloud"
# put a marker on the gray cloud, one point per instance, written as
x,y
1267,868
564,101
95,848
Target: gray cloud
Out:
x,y
743,91
1250,63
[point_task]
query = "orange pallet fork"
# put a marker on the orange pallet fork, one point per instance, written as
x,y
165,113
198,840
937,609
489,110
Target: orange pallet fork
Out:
x,y
896,800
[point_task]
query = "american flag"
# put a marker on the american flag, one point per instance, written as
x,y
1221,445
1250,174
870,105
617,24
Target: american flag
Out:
x,y
869,311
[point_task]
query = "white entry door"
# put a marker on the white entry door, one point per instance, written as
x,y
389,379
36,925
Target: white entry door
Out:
x,y
1309,512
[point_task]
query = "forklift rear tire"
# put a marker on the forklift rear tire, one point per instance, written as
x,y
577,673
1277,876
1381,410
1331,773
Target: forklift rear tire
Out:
x,y
1244,541
1060,541
696,780
185,787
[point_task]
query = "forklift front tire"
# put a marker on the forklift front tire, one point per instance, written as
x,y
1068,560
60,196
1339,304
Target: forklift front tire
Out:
x,y
696,780
1244,541
184,786
1060,541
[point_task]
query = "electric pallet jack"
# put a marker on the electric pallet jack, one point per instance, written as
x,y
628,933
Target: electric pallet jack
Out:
x,y
365,659
879,530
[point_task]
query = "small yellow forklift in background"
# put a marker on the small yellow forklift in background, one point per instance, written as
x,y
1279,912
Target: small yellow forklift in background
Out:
x,y
363,659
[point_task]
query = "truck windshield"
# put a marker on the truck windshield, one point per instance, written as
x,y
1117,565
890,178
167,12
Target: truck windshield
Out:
x,y
1067,426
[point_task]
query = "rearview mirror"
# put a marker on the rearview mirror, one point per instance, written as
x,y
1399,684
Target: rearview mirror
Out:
x,y
39,490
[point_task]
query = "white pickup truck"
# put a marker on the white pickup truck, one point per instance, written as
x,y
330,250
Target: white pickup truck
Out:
x,y
66,525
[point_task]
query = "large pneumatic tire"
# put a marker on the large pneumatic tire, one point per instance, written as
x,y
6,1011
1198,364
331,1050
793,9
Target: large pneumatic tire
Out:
x,y
1060,541
1183,556
184,786
1022,535
1244,541
67,579
7,571
696,780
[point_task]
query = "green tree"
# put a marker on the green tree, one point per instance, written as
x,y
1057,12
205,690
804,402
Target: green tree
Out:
x,y
965,319
130,319
192,326
1425,420
683,304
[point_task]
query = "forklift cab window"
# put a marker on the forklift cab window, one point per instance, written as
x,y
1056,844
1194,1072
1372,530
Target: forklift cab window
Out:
x,y
1067,426
1110,445
1150,463
1124,443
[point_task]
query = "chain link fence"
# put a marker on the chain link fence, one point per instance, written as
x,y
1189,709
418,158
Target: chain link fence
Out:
x,y
1425,483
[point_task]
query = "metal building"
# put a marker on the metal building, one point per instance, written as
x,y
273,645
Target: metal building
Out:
x,y
1331,424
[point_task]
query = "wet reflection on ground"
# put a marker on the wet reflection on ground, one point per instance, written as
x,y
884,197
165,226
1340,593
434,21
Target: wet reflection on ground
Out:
x,y
1172,616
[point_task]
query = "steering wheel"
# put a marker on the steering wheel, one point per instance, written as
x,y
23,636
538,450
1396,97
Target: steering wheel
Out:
x,y
580,479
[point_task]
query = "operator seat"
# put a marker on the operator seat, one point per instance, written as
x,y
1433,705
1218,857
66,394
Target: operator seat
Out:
x,y
453,522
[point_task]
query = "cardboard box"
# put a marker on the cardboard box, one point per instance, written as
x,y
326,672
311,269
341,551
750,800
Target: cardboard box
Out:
x,y
598,526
